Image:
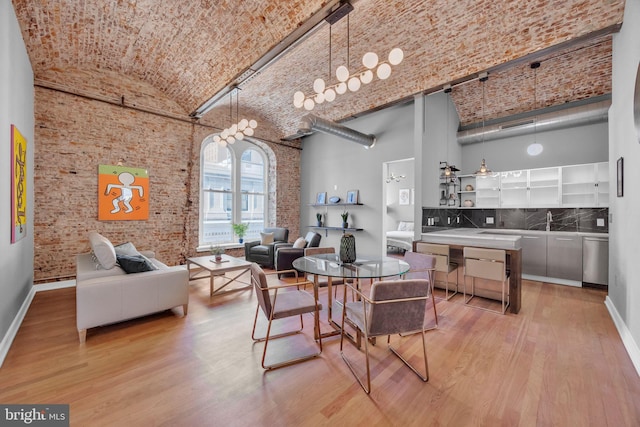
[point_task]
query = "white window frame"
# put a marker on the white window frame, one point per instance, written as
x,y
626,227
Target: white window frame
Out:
x,y
236,151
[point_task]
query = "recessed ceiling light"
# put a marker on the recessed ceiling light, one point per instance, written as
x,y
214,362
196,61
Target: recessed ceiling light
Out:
x,y
534,149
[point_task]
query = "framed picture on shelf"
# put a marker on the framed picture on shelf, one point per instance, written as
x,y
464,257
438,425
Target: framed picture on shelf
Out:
x,y
321,198
404,196
352,196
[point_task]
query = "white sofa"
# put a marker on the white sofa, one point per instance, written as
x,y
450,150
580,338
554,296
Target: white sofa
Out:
x,y
403,237
106,294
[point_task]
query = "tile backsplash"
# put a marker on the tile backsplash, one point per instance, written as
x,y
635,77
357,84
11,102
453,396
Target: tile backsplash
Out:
x,y
586,220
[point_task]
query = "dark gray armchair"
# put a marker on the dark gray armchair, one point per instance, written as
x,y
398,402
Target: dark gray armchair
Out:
x,y
286,254
264,255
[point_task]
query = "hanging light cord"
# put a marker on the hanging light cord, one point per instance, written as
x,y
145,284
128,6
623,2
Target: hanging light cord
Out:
x,y
348,39
330,26
482,81
535,67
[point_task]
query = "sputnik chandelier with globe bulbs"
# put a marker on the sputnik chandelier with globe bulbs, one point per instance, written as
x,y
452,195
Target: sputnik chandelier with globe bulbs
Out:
x,y
237,131
346,80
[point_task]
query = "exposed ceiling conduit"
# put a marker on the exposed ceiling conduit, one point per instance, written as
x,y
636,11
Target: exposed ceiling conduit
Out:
x,y
312,123
580,115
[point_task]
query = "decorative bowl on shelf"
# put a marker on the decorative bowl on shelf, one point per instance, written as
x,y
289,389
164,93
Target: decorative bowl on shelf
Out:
x,y
334,199
468,203
469,187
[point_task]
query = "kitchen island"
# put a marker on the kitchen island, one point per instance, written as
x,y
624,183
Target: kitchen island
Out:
x,y
459,238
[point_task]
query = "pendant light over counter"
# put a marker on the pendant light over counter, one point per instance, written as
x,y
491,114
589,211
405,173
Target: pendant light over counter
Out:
x,y
535,148
484,170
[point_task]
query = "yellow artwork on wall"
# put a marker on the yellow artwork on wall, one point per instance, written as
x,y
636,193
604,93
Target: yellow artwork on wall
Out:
x,y
18,185
123,193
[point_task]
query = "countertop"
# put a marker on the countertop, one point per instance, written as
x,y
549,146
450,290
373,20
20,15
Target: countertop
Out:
x,y
473,237
514,231
494,238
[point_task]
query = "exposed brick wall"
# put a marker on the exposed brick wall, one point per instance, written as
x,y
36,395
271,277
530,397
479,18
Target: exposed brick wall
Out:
x,y
190,50
443,41
564,76
74,134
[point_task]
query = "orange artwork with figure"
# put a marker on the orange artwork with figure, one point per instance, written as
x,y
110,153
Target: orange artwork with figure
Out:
x,y
123,193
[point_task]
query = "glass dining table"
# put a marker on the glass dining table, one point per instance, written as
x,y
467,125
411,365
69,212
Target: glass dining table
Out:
x,y
329,265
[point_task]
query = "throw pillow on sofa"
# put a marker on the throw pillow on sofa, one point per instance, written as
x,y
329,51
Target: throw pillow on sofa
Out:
x,y
300,243
129,249
266,238
135,263
102,250
126,249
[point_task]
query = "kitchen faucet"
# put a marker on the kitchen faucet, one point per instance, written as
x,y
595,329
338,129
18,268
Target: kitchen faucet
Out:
x,y
549,220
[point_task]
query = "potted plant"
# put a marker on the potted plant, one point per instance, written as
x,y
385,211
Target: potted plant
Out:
x,y
217,251
319,218
345,217
240,230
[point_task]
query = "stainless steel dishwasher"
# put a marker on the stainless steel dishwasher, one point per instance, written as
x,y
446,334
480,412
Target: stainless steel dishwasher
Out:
x,y
595,260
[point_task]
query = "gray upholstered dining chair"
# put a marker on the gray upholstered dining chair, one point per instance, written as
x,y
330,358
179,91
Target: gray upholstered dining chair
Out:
x,y
281,300
393,307
423,266
488,264
443,263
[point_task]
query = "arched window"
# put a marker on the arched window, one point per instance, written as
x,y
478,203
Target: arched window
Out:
x,y
233,190
253,187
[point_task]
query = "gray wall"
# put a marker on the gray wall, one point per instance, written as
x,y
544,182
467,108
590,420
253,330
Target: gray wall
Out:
x,y
578,145
335,165
439,143
16,107
624,229
399,212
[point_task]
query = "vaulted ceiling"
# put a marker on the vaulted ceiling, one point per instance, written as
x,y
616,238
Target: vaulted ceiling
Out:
x,y
187,51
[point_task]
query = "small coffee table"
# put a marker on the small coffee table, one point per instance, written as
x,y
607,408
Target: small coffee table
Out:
x,y
213,269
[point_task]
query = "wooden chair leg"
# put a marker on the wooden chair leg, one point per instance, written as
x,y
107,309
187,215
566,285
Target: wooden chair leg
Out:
x,y
82,334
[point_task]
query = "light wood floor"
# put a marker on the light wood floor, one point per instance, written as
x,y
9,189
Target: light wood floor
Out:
x,y
559,362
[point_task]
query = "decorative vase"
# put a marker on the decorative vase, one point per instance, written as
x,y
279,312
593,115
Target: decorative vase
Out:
x,y
240,240
345,225
319,223
347,248
218,257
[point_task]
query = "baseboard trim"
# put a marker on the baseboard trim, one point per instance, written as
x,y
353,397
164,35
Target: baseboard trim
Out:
x,y
553,280
5,345
627,339
6,342
55,285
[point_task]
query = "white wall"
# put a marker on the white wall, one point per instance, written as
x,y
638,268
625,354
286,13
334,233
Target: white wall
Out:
x,y
439,143
16,107
399,212
572,146
624,229
335,165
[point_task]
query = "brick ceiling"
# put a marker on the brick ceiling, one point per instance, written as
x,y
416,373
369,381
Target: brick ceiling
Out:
x,y
188,50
